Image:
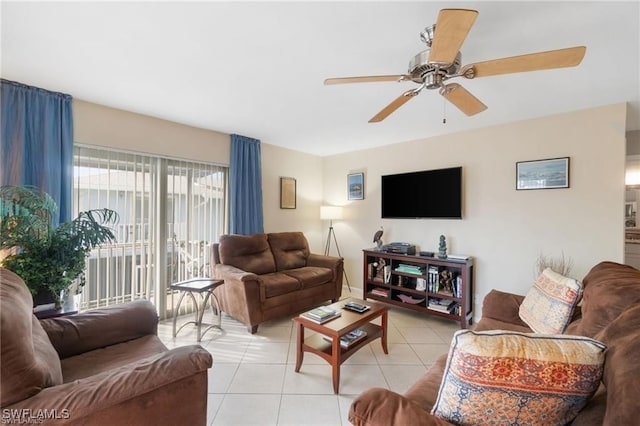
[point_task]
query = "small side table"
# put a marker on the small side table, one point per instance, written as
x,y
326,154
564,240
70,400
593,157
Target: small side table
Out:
x,y
68,307
200,286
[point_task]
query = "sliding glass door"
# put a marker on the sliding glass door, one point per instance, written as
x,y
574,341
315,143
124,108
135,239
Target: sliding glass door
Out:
x,y
170,212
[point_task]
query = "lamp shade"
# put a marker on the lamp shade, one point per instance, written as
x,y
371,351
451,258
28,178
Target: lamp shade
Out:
x,y
330,212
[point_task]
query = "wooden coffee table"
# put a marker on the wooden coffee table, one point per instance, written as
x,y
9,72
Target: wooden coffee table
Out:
x,y
332,352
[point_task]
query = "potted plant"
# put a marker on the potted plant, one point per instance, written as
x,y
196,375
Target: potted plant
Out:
x,y
49,259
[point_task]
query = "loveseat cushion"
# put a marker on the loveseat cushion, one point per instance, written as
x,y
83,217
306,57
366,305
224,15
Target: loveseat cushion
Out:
x,y
609,288
501,377
290,249
310,276
28,361
250,253
278,283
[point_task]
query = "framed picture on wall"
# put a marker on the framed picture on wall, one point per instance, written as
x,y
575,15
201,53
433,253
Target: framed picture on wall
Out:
x,y
287,193
355,186
543,174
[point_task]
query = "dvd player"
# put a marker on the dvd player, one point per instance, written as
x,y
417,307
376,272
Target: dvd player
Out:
x,y
401,248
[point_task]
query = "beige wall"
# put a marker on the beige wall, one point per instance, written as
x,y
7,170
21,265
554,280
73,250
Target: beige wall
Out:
x,y
307,170
503,229
103,126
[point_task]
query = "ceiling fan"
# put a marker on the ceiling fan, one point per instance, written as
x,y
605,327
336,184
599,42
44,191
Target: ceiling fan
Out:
x,y
442,61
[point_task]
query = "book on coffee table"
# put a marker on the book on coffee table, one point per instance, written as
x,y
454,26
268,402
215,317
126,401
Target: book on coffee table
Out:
x,y
321,315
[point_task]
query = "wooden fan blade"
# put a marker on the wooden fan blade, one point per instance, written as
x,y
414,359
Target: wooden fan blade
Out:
x,y
462,99
394,105
561,58
451,30
366,79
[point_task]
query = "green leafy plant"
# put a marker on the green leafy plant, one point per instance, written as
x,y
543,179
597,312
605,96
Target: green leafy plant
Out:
x,y
47,258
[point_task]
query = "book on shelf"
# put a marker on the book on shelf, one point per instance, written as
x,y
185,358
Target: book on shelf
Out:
x,y
350,338
321,315
409,269
382,292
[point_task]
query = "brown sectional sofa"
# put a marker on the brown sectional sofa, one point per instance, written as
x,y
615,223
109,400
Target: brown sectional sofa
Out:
x,y
272,275
610,313
103,367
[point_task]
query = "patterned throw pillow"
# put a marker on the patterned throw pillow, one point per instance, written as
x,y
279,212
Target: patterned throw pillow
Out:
x,y
548,306
503,377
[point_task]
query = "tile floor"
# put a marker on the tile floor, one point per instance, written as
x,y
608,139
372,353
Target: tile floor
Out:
x,y
252,381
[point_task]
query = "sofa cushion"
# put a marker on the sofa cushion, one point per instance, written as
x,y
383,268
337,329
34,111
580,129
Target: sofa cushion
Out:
x,y
290,249
250,253
28,361
549,304
310,276
609,288
277,284
501,377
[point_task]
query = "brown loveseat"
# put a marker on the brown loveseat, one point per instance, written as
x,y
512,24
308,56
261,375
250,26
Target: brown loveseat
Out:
x,y
102,367
610,313
272,275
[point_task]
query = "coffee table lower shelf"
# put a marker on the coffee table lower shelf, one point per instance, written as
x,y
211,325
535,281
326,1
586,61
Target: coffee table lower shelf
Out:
x,y
321,347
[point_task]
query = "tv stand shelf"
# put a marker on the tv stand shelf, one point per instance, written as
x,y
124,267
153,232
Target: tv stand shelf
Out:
x,y
439,287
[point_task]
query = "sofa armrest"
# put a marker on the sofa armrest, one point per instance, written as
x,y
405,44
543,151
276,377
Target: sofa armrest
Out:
x,y
228,272
502,306
97,328
383,407
84,397
322,261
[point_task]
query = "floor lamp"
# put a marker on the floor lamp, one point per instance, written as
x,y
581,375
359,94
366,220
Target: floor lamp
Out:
x,y
330,213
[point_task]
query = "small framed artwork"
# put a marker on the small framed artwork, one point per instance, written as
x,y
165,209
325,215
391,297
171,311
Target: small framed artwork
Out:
x,y
287,193
355,186
543,174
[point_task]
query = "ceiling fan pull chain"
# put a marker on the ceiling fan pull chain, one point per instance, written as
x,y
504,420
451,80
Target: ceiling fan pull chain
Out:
x,y
444,111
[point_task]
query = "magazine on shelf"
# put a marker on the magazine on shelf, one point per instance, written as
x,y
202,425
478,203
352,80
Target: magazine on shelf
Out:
x,y
350,338
442,305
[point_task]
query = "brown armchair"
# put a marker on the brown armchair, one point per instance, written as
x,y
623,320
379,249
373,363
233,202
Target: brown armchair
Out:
x,y
105,366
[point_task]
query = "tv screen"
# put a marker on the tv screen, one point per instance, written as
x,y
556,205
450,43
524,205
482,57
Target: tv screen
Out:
x,y
433,194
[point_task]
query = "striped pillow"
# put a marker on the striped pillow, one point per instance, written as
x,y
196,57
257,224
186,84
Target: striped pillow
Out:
x,y
502,377
548,306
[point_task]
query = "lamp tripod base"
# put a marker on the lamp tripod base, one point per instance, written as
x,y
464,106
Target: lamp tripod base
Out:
x,y
327,249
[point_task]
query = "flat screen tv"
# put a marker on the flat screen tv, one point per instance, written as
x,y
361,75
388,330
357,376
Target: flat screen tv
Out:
x,y
435,194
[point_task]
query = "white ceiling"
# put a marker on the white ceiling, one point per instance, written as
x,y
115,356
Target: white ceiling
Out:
x,y
257,69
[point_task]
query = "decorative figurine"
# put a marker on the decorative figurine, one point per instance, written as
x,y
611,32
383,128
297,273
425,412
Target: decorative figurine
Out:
x,y
377,238
442,248
446,281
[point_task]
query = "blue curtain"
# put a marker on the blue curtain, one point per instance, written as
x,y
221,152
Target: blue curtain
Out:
x,y
245,186
37,142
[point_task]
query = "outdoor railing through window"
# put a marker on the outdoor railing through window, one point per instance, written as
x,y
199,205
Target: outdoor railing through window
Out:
x,y
170,212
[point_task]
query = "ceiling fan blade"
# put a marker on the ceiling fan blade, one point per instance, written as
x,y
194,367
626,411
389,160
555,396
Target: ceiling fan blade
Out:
x,y
561,58
394,105
463,99
366,79
451,30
